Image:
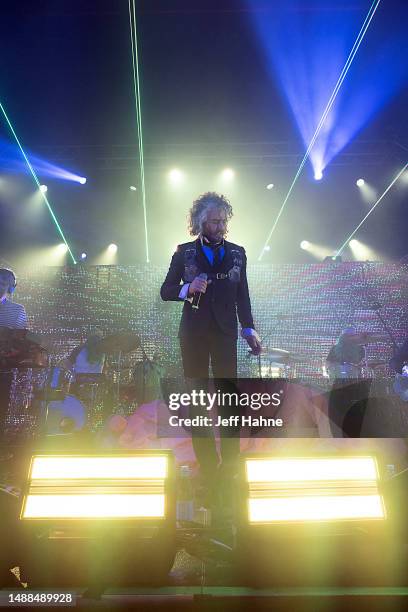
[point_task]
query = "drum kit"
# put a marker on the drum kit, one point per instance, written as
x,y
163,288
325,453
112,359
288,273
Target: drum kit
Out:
x,y
279,363
70,401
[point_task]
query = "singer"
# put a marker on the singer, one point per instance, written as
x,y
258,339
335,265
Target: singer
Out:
x,y
209,276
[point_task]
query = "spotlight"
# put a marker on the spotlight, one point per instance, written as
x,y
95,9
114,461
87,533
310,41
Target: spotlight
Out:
x,y
82,180
92,506
176,176
228,174
267,248
112,248
318,489
62,248
354,243
318,175
43,188
305,244
83,255
132,188
360,182
270,186
306,507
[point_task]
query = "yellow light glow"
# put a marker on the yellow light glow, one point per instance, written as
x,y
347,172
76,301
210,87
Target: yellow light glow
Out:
x,y
94,506
228,174
311,469
63,468
316,508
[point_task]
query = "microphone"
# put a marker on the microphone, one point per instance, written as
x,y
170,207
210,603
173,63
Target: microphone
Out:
x,y
197,296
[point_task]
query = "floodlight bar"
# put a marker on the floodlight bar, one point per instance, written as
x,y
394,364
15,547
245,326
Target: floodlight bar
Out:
x,y
106,506
96,487
296,470
316,508
69,467
312,489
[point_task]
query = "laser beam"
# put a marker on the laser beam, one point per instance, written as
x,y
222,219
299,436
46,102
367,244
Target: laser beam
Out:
x,y
34,175
136,86
374,206
346,67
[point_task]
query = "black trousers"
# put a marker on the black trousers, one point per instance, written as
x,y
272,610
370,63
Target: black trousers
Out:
x,y
198,352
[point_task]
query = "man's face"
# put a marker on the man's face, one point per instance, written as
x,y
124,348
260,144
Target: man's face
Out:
x,y
4,285
215,226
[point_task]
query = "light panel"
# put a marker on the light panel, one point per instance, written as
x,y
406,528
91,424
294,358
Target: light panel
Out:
x,y
312,489
311,469
94,506
316,508
60,467
96,487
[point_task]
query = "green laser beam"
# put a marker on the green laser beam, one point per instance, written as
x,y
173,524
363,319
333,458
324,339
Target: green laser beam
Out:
x,y
371,210
34,175
323,118
138,108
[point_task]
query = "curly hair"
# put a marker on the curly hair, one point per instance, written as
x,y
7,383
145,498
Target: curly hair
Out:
x,y
198,212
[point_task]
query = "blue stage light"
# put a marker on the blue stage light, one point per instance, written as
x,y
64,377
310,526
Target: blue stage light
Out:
x,y
306,50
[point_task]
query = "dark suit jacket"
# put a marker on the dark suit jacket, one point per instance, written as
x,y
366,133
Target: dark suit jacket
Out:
x,y
222,301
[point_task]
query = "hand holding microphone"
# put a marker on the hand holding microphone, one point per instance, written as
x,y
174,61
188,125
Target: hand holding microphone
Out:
x,y
197,287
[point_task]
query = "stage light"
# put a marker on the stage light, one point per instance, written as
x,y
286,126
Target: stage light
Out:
x,y
325,514
133,188
360,182
83,255
228,174
96,487
305,244
362,252
82,180
62,248
270,186
43,188
318,175
99,506
37,182
113,248
267,247
313,489
176,176
374,206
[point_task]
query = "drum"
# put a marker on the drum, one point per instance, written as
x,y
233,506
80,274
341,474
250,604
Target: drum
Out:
x,y
71,409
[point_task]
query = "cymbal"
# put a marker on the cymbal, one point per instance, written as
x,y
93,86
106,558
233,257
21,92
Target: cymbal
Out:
x,y
124,342
23,337
280,355
368,337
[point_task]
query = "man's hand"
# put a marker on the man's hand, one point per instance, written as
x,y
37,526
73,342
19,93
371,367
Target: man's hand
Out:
x,y
198,285
253,339
254,344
